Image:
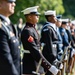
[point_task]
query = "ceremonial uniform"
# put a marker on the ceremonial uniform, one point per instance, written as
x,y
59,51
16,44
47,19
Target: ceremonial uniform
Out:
x,y
30,40
50,39
60,43
31,44
65,37
9,49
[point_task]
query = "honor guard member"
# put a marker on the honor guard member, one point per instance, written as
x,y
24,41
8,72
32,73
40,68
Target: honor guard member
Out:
x,y
68,41
60,43
49,37
9,45
63,32
31,43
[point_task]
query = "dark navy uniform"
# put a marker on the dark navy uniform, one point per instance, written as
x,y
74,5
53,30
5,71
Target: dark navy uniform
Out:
x,y
9,49
31,43
50,39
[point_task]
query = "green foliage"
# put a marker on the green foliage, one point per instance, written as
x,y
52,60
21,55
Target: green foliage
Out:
x,y
44,5
51,5
69,6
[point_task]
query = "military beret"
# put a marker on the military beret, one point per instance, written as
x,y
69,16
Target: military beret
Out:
x,y
31,10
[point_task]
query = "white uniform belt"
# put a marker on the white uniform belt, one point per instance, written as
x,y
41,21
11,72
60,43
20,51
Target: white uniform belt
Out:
x,y
26,51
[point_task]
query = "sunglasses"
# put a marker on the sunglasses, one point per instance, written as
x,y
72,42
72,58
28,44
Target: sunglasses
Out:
x,y
11,1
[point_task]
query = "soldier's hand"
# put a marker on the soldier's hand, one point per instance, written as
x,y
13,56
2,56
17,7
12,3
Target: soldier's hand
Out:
x,y
53,70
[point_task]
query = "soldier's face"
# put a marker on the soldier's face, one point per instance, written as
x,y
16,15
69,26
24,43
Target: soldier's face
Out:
x,y
7,8
52,19
34,18
58,23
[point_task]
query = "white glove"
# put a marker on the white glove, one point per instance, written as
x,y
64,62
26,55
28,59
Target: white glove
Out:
x,y
73,52
59,55
65,57
61,66
53,70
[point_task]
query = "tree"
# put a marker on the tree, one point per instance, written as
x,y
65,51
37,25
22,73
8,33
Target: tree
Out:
x,y
69,6
44,5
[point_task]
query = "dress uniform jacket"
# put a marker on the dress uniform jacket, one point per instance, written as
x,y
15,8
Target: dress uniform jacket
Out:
x,y
49,37
60,43
70,38
73,36
66,37
30,41
9,50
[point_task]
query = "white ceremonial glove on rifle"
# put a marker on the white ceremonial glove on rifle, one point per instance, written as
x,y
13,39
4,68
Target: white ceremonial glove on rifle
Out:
x,y
53,70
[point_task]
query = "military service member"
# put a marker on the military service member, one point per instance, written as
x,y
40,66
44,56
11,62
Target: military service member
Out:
x,y
9,45
50,37
31,43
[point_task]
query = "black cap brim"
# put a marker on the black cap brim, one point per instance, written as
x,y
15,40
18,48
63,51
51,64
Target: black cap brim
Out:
x,y
11,0
36,13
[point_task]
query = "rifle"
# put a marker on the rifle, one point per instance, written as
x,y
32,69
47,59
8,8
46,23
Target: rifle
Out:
x,y
65,62
50,67
70,64
39,64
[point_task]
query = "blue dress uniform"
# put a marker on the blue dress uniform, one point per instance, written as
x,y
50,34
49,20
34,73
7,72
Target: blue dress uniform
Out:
x,y
65,37
59,45
9,49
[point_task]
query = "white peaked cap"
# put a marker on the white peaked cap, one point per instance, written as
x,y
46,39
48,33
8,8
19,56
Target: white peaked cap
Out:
x,y
31,10
50,12
73,22
65,20
11,0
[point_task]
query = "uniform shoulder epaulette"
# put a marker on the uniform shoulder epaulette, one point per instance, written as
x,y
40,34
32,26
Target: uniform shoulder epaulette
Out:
x,y
4,28
1,25
45,29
